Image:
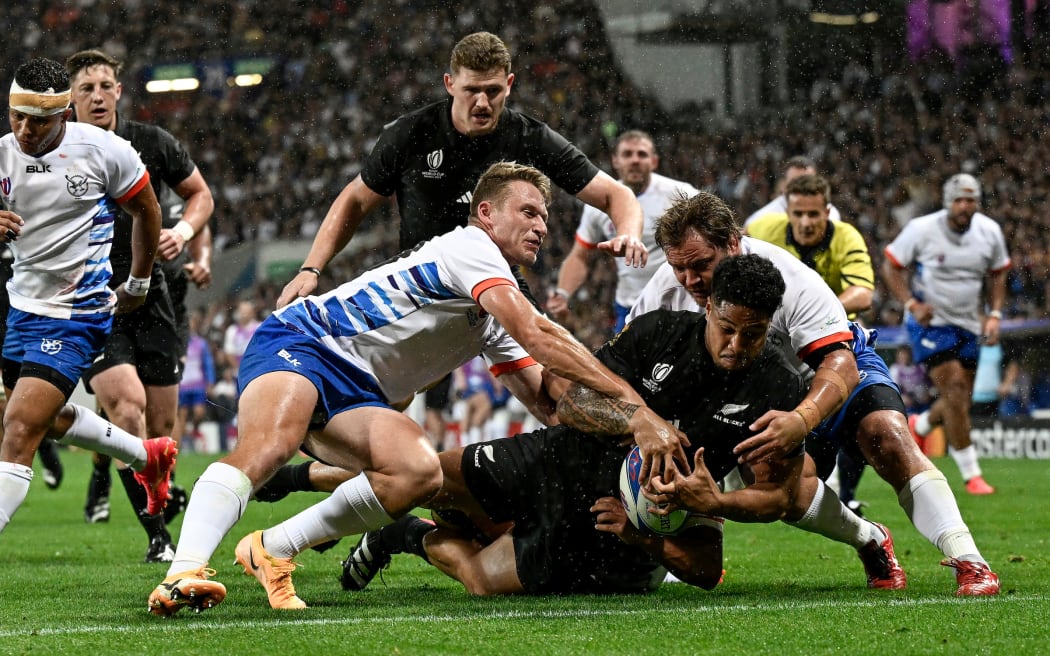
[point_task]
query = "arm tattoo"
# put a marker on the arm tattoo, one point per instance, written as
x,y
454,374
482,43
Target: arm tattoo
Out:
x,y
595,413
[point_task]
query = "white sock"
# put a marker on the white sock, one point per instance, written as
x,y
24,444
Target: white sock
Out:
x,y
928,500
834,481
91,432
352,508
966,460
217,502
922,423
828,516
14,486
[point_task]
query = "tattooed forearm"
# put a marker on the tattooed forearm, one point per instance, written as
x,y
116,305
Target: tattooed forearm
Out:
x,y
594,413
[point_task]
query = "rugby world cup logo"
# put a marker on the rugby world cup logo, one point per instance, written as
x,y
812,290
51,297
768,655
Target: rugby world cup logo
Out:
x,y
51,346
435,159
660,371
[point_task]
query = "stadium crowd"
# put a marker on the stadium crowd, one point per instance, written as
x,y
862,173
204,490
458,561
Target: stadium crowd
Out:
x,y
276,154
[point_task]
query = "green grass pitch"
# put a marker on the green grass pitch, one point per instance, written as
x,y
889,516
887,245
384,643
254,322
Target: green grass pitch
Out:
x,y
67,587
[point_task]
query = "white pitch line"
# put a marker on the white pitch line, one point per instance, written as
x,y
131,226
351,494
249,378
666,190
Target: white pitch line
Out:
x,y
190,625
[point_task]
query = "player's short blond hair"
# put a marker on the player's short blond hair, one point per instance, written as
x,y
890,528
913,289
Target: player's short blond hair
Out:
x,y
494,183
480,51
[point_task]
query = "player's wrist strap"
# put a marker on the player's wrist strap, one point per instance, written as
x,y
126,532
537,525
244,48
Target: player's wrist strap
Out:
x,y
136,286
184,230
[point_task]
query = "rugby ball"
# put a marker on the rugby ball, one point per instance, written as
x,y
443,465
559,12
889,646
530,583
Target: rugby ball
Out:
x,y
637,505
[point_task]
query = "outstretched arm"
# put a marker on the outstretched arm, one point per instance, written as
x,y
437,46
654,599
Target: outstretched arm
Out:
x,y
619,202
145,233
694,556
598,414
781,432
557,350
766,500
354,202
571,277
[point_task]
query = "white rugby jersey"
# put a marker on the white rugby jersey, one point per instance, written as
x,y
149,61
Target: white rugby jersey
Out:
x,y
596,226
411,321
950,267
67,199
810,317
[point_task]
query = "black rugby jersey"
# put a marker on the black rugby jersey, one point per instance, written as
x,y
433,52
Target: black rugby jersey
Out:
x,y
432,168
662,355
168,163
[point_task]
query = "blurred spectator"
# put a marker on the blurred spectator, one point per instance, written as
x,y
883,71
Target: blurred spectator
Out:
x,y
911,379
198,377
239,333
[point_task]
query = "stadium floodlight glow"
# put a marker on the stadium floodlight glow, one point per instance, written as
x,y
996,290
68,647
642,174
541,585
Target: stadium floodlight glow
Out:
x,y
247,80
178,84
843,20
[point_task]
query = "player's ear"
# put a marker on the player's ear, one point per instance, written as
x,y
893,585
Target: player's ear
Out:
x,y
485,208
449,83
510,82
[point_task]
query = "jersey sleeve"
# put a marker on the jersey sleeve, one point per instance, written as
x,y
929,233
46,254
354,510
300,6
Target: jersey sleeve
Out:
x,y
560,160
383,165
856,267
178,165
471,263
126,175
1000,254
902,250
592,228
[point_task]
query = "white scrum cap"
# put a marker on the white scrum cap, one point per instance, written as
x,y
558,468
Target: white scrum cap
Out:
x,y
961,185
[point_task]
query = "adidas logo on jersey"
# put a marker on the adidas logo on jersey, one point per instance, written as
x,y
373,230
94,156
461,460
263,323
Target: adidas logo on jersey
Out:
x,y
465,198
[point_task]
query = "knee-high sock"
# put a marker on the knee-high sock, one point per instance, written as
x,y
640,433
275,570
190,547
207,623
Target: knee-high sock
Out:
x,y
91,432
154,524
828,516
928,500
14,486
351,508
217,502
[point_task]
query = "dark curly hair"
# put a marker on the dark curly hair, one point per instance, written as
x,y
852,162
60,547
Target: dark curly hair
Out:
x,y
749,281
42,74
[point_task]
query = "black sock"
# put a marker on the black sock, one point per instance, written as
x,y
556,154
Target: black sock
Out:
x,y
154,524
287,479
101,480
300,477
406,535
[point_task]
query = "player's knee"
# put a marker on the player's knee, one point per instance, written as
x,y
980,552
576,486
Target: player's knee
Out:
x,y
129,414
419,473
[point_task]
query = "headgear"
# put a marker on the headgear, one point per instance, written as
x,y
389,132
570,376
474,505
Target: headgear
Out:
x,y
961,185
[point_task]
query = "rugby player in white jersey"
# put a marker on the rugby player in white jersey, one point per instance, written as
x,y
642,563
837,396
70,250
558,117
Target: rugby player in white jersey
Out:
x,y
60,184
954,251
842,407
635,160
327,374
